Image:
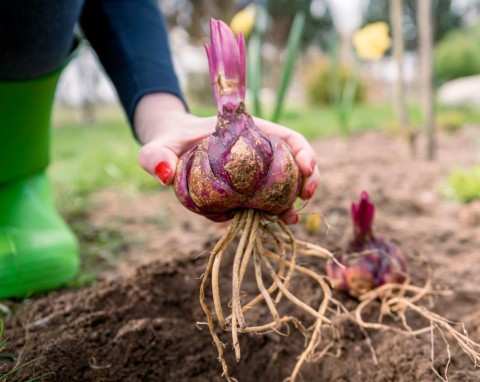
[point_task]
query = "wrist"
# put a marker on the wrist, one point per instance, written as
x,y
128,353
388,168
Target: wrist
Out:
x,y
153,112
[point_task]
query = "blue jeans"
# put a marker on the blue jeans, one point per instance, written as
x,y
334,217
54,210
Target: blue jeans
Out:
x,y
36,38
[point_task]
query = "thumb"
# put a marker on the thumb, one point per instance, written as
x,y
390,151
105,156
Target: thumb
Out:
x,y
159,160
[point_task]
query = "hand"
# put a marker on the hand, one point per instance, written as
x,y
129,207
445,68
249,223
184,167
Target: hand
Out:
x,y
167,131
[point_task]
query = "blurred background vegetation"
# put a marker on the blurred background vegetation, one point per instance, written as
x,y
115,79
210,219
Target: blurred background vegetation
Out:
x,y
93,147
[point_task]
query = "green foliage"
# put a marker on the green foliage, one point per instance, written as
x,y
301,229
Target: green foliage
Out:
x,y
3,341
293,45
254,60
320,87
86,158
464,184
457,55
12,372
450,120
318,23
323,121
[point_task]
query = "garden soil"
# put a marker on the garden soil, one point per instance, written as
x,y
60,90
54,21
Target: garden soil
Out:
x,y
139,321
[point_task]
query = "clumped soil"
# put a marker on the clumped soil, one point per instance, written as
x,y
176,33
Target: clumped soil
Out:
x,y
138,323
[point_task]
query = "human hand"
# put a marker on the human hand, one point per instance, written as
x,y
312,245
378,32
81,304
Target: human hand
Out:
x,y
167,131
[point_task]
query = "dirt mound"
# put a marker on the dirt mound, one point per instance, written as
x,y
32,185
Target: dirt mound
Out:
x,y
142,326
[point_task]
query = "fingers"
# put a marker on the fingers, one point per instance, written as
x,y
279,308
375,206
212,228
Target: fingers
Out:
x,y
159,160
290,216
301,149
303,152
310,184
165,143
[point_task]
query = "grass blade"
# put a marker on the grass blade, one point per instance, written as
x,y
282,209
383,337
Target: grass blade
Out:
x,y
40,377
293,46
254,71
254,59
3,377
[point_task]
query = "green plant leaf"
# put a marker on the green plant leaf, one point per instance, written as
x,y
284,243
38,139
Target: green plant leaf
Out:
x,y
293,46
254,58
254,71
3,377
464,184
40,377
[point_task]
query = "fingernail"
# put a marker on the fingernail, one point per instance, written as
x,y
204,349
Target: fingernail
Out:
x,y
163,171
311,189
312,166
295,220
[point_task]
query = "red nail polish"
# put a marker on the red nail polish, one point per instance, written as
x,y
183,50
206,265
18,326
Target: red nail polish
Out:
x,y
163,171
311,189
295,221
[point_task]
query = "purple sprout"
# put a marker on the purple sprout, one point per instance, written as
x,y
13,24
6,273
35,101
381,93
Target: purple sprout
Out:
x,y
369,261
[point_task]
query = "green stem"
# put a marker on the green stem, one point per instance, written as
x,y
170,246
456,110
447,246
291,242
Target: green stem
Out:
x,y
343,96
254,59
293,46
348,102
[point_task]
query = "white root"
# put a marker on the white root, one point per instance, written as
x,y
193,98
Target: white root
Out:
x,y
256,233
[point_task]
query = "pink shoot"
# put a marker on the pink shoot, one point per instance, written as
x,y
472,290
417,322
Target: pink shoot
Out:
x,y
369,261
227,61
362,218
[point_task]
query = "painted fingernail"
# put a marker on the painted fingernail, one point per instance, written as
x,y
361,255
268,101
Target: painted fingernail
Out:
x,y
163,171
311,189
295,220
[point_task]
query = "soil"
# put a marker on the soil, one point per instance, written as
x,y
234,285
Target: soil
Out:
x,y
138,323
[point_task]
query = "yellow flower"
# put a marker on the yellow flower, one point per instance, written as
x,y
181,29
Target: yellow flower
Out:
x,y
372,41
244,20
313,223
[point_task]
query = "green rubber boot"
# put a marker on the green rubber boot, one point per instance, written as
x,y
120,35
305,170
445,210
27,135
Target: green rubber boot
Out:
x,y
38,252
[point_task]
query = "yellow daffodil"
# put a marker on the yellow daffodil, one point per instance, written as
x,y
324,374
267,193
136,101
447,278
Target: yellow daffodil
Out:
x,y
244,20
372,41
